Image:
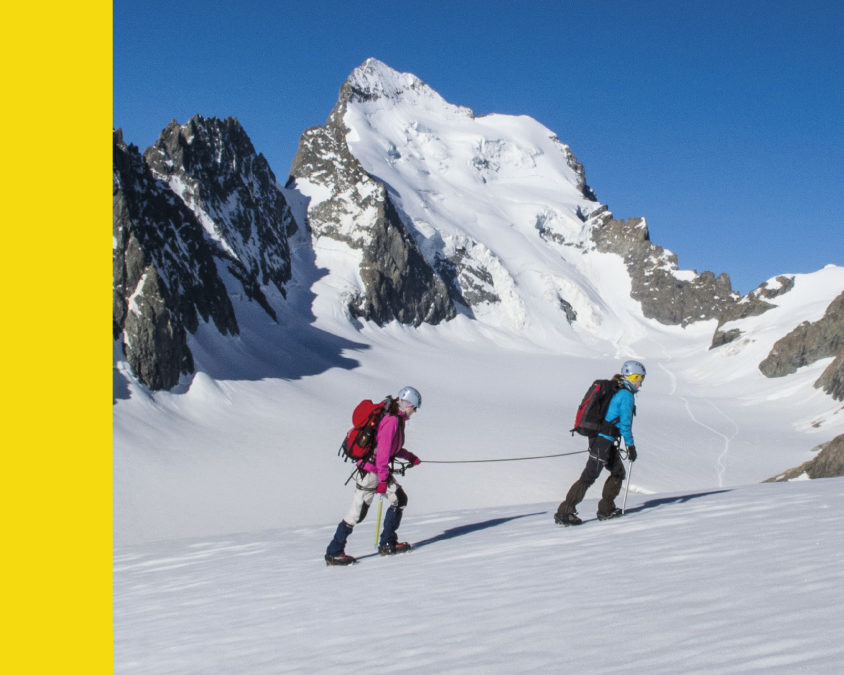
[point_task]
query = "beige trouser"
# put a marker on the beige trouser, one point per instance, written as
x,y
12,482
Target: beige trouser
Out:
x,y
365,493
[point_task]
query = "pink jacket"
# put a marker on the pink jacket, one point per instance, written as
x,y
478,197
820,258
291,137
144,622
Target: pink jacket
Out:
x,y
388,444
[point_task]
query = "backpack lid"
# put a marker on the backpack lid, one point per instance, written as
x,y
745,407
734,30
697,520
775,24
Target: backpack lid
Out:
x,y
363,411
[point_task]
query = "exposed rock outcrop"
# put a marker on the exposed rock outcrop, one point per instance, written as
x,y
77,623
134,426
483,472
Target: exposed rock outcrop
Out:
x,y
829,463
810,342
164,273
752,304
664,296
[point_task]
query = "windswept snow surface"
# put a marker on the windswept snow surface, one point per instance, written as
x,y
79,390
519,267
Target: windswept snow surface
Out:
x,y
741,580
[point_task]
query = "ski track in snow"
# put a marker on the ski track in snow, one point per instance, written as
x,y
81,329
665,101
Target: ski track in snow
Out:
x,y
721,460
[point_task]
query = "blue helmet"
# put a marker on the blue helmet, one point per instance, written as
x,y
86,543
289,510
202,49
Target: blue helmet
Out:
x,y
412,396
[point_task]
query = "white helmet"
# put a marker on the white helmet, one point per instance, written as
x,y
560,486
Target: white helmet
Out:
x,y
633,367
633,372
412,396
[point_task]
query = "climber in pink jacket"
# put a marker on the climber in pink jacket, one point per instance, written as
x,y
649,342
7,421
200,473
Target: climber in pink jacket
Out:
x,y
389,442
375,478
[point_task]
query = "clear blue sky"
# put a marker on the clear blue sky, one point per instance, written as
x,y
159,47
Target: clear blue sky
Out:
x,y
720,121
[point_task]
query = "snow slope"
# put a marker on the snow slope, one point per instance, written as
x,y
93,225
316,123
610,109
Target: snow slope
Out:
x,y
723,580
251,441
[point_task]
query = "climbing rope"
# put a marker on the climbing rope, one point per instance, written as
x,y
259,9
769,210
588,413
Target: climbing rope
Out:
x,y
401,468
507,459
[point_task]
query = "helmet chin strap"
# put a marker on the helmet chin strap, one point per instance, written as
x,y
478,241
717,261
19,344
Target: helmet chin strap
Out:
x,y
631,385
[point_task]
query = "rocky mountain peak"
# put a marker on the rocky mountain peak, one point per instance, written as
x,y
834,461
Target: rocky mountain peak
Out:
x,y
212,166
198,219
373,80
418,210
164,273
355,207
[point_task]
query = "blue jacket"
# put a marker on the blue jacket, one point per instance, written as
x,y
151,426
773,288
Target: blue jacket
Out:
x,y
620,412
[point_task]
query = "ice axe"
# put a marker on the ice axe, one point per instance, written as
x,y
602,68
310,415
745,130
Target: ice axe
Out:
x,y
629,475
378,520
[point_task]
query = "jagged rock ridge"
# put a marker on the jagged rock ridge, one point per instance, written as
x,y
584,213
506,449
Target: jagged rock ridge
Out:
x,y
212,165
653,273
200,203
164,273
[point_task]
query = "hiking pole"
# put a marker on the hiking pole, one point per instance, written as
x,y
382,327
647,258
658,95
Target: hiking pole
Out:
x,y
378,521
629,476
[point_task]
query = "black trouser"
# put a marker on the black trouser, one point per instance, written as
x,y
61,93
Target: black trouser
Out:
x,y
603,454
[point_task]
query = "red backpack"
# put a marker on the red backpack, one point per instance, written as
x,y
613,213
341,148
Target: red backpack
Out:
x,y
360,439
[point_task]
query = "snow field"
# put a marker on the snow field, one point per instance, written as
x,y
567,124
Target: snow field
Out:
x,y
727,581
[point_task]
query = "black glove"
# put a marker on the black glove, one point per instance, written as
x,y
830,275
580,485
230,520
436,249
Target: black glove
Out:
x,y
631,453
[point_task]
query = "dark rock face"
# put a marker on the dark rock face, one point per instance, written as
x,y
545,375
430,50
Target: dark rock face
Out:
x,y
164,273
155,342
829,463
399,283
752,304
832,379
198,202
809,342
663,296
468,283
212,165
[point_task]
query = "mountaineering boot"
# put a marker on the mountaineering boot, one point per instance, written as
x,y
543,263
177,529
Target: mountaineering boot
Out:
x,y
567,511
567,519
392,520
335,553
615,513
611,489
393,547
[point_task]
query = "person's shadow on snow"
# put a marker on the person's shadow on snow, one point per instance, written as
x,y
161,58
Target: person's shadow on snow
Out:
x,y
679,499
461,530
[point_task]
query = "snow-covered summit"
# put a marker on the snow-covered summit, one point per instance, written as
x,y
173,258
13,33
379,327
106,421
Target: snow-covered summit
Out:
x,y
494,211
374,81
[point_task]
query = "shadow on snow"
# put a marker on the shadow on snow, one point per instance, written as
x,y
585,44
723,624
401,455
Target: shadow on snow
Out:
x,y
462,530
679,499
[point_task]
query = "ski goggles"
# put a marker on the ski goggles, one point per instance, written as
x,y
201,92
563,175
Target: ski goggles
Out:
x,y
635,378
